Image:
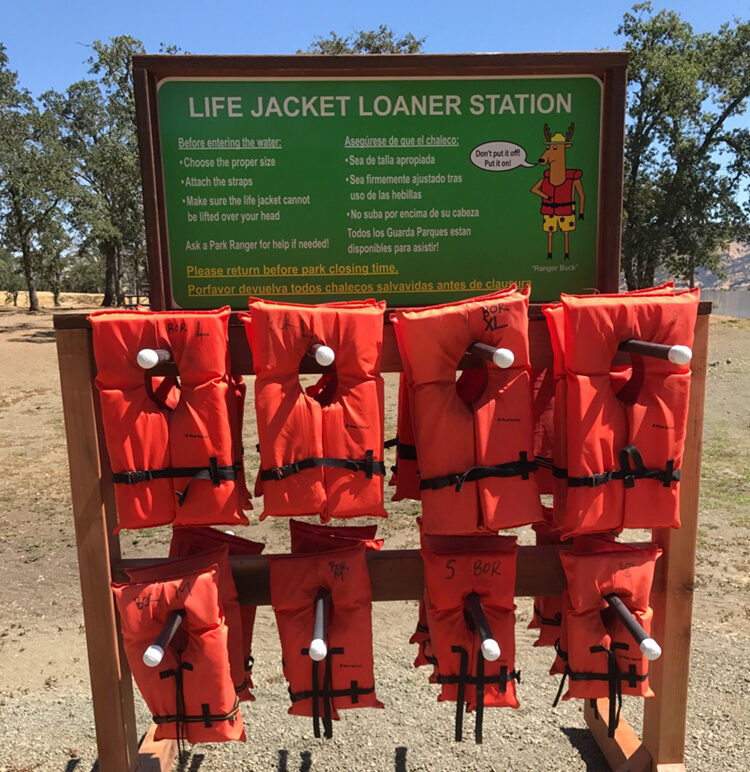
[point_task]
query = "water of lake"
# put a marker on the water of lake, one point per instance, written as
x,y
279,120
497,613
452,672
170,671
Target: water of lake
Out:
x,y
729,302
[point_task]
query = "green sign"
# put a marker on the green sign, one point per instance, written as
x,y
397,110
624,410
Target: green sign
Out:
x,y
410,190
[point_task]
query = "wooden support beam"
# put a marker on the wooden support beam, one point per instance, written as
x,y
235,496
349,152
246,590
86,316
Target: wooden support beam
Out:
x,y
665,716
624,751
156,755
111,684
394,574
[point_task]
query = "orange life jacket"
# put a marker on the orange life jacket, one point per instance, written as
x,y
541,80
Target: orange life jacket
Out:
x,y
474,439
227,596
624,447
547,613
601,658
197,541
310,537
321,449
405,477
456,566
344,679
190,694
421,634
175,448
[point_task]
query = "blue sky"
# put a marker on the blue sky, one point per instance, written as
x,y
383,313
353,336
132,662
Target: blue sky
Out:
x,y
46,39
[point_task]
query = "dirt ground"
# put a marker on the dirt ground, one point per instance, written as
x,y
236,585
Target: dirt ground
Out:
x,y
46,721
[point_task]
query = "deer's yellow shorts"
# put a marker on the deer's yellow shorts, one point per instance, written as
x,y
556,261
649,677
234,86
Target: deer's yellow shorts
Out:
x,y
565,222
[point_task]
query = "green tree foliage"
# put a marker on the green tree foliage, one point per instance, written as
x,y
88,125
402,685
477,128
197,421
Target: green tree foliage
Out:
x,y
380,41
34,179
687,157
97,118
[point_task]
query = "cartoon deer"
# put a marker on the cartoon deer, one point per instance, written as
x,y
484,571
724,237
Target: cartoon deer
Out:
x,y
558,188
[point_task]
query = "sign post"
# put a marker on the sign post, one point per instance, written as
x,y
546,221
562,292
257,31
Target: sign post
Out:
x,y
417,179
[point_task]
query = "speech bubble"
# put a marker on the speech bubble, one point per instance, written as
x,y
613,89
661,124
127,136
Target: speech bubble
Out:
x,y
499,156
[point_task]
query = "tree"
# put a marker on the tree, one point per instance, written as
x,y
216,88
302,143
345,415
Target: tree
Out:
x,y
685,162
380,41
34,177
10,279
98,127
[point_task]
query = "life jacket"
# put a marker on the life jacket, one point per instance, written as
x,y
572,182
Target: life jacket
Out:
x,y
227,595
310,537
175,448
454,568
321,448
421,635
601,657
344,679
559,200
547,610
624,442
405,477
543,390
197,541
190,693
474,438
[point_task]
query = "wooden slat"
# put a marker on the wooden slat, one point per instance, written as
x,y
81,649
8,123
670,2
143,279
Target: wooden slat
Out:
x,y
156,755
623,751
401,65
111,685
665,715
610,194
145,112
394,574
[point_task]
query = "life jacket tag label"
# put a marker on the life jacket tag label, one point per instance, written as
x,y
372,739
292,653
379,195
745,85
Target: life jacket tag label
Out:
x,y
484,567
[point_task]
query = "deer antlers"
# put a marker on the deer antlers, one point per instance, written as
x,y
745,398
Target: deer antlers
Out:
x,y
547,133
569,132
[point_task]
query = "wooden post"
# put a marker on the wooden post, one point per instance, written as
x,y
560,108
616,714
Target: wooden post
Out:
x,y
111,684
665,715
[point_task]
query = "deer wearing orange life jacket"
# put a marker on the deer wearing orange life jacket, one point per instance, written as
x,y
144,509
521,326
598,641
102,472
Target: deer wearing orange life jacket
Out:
x,y
558,189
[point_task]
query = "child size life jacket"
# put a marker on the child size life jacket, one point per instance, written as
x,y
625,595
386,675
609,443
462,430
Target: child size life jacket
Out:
x,y
190,693
311,537
321,448
198,541
165,569
344,679
624,447
474,438
454,568
601,658
175,448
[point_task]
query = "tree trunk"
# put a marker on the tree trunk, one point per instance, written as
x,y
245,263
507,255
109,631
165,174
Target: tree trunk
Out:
x,y
28,275
110,285
15,298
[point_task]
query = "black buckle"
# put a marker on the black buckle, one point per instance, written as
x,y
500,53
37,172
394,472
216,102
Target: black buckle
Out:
x,y
595,480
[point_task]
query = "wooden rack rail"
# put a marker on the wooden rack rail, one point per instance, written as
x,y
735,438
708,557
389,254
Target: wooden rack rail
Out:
x,y
396,575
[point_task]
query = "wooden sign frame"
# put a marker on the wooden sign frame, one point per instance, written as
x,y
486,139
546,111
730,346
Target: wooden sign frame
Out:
x,y
609,67
395,575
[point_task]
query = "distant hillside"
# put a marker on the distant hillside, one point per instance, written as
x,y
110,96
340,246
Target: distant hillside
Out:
x,y
736,266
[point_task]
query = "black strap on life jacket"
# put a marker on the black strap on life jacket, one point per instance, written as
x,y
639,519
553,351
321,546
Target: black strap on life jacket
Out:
x,y
558,204
368,465
522,467
629,474
614,678
181,717
325,692
403,450
555,621
213,472
544,462
479,680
